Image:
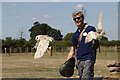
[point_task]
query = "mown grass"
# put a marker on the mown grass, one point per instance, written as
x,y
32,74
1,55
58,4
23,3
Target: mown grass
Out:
x,y
24,66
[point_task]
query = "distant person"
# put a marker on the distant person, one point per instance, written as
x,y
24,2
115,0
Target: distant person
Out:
x,y
5,50
85,52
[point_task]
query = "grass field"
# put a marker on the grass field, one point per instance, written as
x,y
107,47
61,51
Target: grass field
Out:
x,y
24,66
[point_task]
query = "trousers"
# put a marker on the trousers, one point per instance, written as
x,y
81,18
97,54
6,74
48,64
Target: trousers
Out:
x,y
86,69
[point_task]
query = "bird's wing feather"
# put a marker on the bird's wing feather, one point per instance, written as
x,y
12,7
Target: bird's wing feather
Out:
x,y
100,21
42,47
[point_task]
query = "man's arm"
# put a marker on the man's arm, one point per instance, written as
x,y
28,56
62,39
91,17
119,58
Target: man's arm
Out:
x,y
72,53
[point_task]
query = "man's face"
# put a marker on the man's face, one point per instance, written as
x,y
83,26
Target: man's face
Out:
x,y
78,20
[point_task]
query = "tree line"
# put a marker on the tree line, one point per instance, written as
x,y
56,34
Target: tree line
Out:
x,y
23,45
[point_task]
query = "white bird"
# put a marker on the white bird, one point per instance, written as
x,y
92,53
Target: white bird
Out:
x,y
96,35
42,45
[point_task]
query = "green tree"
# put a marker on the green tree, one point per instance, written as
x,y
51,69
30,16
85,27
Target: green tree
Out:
x,y
44,29
104,38
7,42
21,42
68,37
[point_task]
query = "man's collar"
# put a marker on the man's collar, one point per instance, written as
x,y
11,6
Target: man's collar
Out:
x,y
81,28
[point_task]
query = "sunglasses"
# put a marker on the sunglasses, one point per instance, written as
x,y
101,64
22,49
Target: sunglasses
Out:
x,y
78,18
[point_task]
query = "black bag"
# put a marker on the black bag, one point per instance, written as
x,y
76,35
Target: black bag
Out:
x,y
67,69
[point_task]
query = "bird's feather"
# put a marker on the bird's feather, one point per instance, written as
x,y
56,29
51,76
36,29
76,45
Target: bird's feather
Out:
x,y
42,45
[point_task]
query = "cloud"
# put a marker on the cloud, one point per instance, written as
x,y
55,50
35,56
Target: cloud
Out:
x,y
33,18
18,17
47,16
69,23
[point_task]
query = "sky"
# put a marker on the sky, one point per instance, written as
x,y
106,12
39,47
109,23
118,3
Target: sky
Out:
x,y
20,16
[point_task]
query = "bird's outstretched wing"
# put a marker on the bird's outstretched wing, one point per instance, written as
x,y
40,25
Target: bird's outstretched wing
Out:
x,y
41,45
96,35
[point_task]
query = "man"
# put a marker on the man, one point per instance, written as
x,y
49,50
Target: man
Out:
x,y
84,51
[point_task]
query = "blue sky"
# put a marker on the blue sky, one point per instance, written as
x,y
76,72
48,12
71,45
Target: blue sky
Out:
x,y
19,16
